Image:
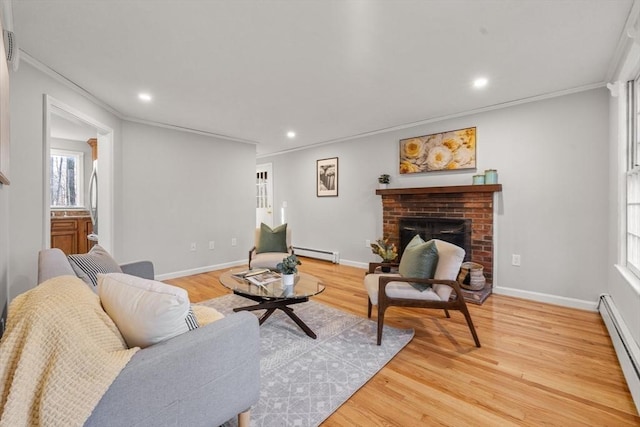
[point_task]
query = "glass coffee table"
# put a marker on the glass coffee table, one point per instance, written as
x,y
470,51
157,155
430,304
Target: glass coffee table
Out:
x,y
274,296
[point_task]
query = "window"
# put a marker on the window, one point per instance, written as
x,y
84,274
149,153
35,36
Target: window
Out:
x,y
633,177
66,179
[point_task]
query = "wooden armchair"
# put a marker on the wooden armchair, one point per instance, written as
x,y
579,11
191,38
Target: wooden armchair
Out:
x,y
386,290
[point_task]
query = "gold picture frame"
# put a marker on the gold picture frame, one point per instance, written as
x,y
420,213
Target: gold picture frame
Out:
x,y
451,150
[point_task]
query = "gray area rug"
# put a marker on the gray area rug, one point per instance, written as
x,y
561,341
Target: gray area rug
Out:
x,y
303,380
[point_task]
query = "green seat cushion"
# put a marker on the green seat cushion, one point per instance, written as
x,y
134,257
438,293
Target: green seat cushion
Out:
x,y
419,260
272,240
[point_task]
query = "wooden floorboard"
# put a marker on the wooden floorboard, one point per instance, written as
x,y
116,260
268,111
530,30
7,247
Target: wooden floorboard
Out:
x,y
539,364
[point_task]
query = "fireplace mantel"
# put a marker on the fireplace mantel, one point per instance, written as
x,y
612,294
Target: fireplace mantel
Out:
x,y
461,202
451,189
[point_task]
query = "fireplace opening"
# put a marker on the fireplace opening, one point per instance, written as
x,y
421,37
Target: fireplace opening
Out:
x,y
452,230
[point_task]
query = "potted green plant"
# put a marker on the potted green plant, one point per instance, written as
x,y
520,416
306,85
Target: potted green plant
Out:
x,y
288,268
383,180
385,250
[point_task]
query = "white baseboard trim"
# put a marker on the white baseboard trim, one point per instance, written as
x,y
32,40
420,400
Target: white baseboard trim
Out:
x,y
357,264
547,298
200,270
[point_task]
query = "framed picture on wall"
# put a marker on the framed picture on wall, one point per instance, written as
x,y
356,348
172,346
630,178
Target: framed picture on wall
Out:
x,y
452,150
327,177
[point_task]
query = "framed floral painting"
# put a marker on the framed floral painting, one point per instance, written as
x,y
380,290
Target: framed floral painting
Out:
x,y
450,150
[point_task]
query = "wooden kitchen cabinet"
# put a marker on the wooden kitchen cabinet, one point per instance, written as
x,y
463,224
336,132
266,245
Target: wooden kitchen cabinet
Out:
x,y
85,227
70,234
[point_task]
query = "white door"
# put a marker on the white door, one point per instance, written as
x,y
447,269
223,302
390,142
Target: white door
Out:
x,y
264,194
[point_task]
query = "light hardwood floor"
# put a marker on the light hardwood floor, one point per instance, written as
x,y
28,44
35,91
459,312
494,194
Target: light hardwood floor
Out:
x,y
539,364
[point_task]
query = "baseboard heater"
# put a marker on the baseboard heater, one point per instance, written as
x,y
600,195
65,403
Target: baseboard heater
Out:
x,y
324,255
626,347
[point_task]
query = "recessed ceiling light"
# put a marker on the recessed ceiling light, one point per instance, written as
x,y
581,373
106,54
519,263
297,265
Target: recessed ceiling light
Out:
x,y
480,82
291,134
144,97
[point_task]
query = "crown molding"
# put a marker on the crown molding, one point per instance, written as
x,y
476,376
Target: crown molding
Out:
x,y
442,118
189,130
628,37
79,89
26,57
615,88
85,93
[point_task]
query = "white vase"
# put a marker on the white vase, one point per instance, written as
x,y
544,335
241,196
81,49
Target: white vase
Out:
x,y
288,279
288,291
382,186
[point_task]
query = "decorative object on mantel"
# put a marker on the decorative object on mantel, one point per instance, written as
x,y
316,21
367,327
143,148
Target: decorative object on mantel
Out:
x,y
490,176
450,150
385,250
478,179
327,177
288,267
383,180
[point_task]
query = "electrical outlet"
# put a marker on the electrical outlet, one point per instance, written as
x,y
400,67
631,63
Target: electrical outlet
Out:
x,y
193,247
212,245
234,241
367,243
515,260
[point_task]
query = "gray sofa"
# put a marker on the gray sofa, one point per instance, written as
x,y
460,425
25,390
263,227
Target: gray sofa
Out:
x,y
200,378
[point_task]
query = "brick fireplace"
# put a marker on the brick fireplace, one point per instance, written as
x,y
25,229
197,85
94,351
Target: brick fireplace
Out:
x,y
469,202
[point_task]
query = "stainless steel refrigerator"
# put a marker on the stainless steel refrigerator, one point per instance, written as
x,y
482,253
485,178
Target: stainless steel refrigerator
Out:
x,y
93,202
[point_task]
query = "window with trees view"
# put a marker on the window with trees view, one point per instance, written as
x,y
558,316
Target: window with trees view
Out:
x,y
633,178
66,179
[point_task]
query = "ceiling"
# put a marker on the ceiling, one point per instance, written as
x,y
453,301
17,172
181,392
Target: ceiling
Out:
x,y
252,70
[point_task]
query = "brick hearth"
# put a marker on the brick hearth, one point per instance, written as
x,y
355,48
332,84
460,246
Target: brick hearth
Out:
x,y
473,202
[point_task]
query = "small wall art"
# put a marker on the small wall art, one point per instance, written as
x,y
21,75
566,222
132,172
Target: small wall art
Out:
x,y
327,177
450,150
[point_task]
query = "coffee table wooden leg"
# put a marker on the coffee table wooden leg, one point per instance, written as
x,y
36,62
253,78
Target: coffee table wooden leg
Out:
x,y
266,315
299,322
271,306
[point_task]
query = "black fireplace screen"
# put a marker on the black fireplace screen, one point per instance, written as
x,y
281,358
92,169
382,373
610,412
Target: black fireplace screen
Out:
x,y
452,230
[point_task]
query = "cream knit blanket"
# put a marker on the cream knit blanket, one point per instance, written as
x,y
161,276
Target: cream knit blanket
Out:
x,y
58,356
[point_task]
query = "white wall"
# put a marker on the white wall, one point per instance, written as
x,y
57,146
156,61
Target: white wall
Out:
x,y
551,157
181,188
170,189
4,216
4,247
28,85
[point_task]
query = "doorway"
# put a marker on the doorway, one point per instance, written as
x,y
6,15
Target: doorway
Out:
x,y
264,194
57,112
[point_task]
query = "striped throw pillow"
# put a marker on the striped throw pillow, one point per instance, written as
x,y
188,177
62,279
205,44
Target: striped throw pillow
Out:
x,y
88,266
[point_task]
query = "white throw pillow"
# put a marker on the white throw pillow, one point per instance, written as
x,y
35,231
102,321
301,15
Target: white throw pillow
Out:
x,y
145,311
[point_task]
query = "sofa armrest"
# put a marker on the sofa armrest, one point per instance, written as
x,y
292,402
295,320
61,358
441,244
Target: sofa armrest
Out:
x,y
142,269
53,263
200,378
